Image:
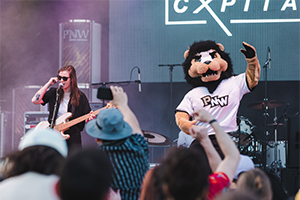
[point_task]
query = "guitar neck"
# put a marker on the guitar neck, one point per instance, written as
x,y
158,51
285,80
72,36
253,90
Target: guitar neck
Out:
x,y
65,126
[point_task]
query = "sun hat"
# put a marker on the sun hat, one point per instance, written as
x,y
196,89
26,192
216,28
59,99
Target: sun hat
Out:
x,y
109,125
44,137
245,164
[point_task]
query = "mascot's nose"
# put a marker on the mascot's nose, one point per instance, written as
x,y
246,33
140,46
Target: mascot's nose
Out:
x,y
207,62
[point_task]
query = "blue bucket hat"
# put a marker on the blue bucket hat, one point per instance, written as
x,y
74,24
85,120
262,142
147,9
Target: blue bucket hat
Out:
x,y
109,125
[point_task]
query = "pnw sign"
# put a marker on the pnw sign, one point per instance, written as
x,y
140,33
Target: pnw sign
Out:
x,y
76,35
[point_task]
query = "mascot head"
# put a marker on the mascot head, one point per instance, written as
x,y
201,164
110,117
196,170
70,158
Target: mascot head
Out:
x,y
206,64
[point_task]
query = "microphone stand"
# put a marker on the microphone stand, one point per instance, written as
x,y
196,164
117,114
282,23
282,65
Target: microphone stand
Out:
x,y
171,66
55,109
266,114
112,82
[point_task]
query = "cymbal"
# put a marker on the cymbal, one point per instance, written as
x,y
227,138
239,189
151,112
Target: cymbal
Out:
x,y
276,124
156,138
270,104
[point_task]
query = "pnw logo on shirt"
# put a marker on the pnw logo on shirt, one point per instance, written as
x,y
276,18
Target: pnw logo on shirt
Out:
x,y
215,101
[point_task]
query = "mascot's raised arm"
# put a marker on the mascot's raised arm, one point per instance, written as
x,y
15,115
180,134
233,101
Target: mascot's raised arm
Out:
x,y
208,68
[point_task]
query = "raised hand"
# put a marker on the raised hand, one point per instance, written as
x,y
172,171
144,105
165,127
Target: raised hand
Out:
x,y
199,133
202,115
249,50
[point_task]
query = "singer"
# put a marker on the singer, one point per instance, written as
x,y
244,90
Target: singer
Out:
x,y
70,99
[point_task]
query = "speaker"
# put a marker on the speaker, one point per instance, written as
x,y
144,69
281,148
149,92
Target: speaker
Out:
x,y
21,104
292,160
290,180
33,118
5,133
278,190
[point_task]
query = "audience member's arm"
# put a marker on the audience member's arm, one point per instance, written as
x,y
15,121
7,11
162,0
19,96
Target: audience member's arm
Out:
x,y
120,100
200,134
229,163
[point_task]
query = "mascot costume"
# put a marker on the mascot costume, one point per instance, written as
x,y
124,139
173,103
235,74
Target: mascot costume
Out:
x,y
208,68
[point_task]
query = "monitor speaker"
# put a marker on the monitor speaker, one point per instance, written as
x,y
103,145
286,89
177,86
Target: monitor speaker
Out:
x,y
290,180
292,160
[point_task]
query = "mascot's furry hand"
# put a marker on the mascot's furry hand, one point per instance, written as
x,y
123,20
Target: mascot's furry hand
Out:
x,y
253,67
249,51
182,121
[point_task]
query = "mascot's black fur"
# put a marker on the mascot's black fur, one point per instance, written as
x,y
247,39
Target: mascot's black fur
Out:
x,y
201,46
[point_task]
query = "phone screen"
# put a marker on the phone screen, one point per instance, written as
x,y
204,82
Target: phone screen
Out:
x,y
104,93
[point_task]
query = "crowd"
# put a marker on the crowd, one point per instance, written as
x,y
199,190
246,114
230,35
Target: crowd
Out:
x,y
118,169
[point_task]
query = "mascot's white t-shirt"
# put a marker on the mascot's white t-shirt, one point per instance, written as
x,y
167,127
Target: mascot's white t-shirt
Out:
x,y
223,103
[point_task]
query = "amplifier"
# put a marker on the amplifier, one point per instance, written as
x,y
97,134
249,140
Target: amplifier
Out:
x,y
96,105
32,118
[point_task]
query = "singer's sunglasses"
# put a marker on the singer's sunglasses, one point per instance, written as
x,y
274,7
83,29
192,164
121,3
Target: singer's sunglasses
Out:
x,y
63,78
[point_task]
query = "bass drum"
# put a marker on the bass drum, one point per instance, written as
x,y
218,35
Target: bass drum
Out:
x,y
244,131
281,153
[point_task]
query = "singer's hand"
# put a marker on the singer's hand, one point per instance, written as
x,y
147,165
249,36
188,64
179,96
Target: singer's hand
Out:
x,y
91,116
52,81
38,97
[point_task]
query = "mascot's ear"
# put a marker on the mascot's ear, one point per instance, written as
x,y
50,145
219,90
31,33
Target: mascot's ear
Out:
x,y
186,54
221,46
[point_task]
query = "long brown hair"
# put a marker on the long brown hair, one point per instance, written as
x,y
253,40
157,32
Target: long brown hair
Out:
x,y
75,92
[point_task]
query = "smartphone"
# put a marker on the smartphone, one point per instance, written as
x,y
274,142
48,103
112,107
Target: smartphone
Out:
x,y
104,93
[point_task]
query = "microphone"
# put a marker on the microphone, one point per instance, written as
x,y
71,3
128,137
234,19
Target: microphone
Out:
x,y
60,85
139,78
269,57
268,61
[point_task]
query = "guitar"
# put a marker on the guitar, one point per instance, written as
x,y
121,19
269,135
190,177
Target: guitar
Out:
x,y
62,123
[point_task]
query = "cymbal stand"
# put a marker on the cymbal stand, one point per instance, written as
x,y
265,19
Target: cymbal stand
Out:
x,y
277,164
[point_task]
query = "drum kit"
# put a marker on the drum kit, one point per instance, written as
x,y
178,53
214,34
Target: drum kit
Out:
x,y
250,145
